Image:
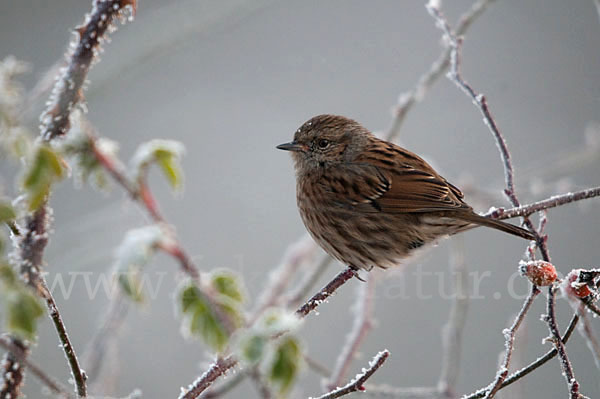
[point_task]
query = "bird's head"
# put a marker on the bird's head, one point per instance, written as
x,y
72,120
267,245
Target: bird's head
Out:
x,y
326,140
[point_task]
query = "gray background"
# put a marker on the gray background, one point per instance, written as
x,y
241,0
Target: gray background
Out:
x,y
231,79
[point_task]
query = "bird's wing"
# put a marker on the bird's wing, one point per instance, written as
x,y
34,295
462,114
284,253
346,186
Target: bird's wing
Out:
x,y
367,187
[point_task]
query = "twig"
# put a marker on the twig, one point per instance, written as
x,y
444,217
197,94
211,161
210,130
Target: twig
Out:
x,y
220,367
78,374
592,307
565,364
223,365
339,280
143,196
452,332
12,369
357,384
385,391
68,90
408,99
532,366
509,336
363,322
552,202
225,387
21,356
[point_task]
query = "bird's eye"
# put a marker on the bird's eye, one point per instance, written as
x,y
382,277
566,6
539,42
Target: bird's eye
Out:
x,y
323,143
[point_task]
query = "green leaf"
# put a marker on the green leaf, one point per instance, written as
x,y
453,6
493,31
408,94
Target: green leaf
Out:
x,y
286,364
23,310
228,284
166,154
7,213
199,318
45,169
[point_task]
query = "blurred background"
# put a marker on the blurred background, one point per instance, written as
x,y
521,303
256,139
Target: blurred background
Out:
x,y
233,78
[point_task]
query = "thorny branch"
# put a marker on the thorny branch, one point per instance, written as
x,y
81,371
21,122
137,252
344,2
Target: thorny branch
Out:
x,y
357,384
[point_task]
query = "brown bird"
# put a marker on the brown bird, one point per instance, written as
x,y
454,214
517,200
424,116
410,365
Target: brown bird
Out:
x,y
368,202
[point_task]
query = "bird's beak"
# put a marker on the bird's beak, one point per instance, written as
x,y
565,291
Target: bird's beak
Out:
x,y
292,146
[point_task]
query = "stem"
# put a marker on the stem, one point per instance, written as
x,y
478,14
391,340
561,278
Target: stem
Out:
x,y
357,384
532,366
509,336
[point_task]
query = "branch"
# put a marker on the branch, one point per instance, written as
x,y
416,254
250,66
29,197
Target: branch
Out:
x,y
406,100
363,322
223,365
76,371
552,202
509,336
357,384
339,280
565,364
21,356
532,366
68,90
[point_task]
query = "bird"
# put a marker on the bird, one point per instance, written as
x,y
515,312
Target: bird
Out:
x,y
371,203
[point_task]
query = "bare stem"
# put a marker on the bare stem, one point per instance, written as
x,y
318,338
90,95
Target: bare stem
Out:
x,y
552,202
357,383
509,336
532,366
339,280
78,374
565,364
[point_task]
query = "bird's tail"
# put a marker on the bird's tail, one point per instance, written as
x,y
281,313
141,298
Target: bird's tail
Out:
x,y
498,225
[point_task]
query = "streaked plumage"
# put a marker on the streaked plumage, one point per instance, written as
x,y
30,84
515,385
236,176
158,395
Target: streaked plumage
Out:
x,y
368,202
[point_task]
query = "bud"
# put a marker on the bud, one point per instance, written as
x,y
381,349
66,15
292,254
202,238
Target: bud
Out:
x,y
538,272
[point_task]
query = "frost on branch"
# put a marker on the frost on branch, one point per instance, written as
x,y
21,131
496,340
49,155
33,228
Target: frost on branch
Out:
x,y
83,52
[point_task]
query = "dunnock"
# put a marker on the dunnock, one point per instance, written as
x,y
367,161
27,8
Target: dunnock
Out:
x,y
368,202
